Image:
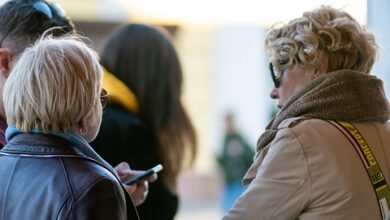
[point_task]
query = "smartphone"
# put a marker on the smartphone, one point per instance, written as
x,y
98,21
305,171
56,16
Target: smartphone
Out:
x,y
145,174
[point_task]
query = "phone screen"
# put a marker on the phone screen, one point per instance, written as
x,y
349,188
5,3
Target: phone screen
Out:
x,y
145,174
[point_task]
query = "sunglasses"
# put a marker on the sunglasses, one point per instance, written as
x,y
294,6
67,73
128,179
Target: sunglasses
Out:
x,y
104,98
277,80
45,9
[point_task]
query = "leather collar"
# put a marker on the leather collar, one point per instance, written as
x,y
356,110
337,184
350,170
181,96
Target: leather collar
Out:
x,y
40,144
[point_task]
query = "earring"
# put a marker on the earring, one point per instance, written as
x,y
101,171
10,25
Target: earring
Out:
x,y
83,131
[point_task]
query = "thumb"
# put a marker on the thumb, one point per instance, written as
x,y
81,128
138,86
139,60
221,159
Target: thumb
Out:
x,y
122,170
123,166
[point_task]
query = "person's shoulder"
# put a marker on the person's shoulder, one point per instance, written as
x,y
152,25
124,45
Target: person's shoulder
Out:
x,y
307,130
95,192
83,174
302,123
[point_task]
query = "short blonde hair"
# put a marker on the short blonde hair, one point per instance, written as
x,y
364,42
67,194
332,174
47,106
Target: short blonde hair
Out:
x,y
54,86
322,34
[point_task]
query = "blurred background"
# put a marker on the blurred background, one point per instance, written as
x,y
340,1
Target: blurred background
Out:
x,y
220,44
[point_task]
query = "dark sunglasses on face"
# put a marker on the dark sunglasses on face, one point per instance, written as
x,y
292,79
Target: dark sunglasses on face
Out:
x,y
275,79
104,98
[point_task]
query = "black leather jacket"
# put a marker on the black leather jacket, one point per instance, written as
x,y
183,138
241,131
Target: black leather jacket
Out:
x,y
41,177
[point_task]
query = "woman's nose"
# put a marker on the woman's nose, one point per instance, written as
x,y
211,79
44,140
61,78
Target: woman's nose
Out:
x,y
274,93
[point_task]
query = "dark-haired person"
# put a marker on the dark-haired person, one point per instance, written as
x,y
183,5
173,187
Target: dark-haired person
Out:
x,y
22,22
145,123
326,154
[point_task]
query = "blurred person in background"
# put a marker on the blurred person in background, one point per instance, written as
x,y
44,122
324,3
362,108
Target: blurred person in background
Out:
x,y
235,159
24,21
53,101
326,154
145,123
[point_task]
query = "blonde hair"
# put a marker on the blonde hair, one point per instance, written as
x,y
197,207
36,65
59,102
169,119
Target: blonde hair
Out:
x,y
324,34
54,86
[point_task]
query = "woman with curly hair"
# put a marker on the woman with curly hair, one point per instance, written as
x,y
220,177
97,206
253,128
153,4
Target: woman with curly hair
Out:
x,y
325,154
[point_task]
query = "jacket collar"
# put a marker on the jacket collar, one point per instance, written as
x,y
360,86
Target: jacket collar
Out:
x,y
38,144
52,144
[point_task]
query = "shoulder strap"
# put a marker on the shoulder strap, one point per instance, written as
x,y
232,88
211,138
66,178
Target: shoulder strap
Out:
x,y
373,169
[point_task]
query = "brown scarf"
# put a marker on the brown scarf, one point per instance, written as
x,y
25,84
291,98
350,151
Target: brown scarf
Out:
x,y
343,95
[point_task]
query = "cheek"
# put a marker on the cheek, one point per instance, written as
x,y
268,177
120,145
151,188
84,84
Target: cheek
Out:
x,y
297,80
289,88
294,80
285,91
94,123
283,97
98,118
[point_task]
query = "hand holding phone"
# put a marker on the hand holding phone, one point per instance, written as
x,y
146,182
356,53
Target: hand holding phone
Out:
x,y
145,174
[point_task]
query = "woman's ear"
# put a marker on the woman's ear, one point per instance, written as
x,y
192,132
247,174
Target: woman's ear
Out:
x,y
323,66
82,127
5,62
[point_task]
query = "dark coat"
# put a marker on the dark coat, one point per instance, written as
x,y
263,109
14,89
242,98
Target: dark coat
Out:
x,y
123,137
43,178
236,157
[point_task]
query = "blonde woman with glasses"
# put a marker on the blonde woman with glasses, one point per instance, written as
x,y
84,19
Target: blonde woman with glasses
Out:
x,y
54,108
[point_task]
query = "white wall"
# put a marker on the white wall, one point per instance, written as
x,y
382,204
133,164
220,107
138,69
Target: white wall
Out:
x,y
378,18
240,82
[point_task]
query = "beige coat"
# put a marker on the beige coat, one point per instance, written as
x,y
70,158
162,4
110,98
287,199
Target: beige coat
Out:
x,y
311,171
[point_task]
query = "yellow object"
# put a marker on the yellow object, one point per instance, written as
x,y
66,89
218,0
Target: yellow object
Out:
x,y
119,92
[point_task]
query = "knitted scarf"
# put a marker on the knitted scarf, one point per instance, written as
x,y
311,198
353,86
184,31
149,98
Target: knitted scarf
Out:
x,y
343,95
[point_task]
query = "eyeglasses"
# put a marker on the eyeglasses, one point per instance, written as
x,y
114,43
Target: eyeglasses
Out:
x,y
277,79
45,9
104,98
